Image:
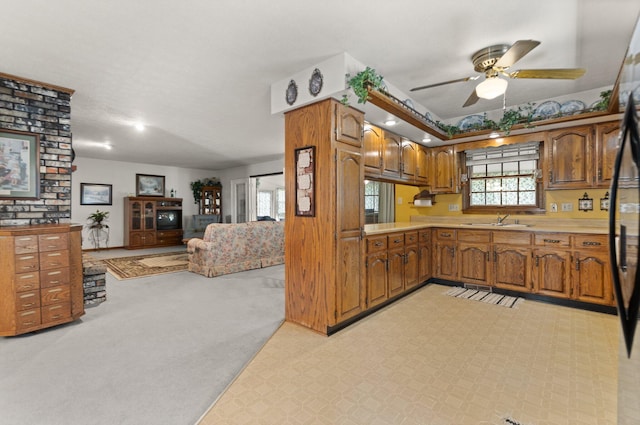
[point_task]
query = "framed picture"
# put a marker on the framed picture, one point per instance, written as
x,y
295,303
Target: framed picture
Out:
x,y
95,194
305,169
149,185
19,165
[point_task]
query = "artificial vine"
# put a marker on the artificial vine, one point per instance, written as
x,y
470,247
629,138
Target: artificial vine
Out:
x,y
362,81
196,187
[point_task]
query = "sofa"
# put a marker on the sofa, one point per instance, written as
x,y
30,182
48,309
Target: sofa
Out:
x,y
198,225
231,248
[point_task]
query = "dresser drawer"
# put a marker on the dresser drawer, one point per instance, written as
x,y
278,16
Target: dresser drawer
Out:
x,y
27,319
54,277
56,312
445,234
55,294
53,242
424,236
560,240
27,300
54,260
395,241
480,236
25,244
27,263
600,242
508,237
376,244
411,238
27,281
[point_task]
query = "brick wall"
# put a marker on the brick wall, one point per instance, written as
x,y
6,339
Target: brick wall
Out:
x,y
46,110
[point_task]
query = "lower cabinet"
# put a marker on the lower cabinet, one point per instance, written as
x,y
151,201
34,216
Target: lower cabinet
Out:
x,y
512,261
424,255
474,256
552,270
444,254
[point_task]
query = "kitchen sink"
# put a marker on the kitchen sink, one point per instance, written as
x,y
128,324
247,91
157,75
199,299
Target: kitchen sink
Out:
x,y
510,225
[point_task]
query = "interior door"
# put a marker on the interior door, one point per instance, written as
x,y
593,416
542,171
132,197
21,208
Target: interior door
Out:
x,y
240,200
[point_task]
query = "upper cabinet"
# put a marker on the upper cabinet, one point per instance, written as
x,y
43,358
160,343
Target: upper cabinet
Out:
x,y
422,165
442,170
408,167
372,141
607,135
391,155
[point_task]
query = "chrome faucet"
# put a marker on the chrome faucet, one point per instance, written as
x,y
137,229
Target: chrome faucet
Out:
x,y
501,219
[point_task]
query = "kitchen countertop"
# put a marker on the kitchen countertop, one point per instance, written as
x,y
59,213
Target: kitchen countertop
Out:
x,y
525,224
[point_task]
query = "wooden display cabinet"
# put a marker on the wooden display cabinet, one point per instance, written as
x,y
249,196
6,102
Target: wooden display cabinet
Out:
x,y
211,202
152,221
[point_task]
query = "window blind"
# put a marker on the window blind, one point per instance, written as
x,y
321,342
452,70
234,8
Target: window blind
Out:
x,y
500,154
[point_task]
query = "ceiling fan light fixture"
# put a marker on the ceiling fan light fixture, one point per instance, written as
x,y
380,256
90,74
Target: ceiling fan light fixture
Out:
x,y
491,88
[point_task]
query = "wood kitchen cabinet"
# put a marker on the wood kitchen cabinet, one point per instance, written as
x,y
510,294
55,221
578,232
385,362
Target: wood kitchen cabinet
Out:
x,y
391,155
424,254
376,270
569,158
444,254
411,260
512,260
372,147
474,256
591,271
442,170
396,259
408,167
41,277
324,253
422,165
552,264
606,148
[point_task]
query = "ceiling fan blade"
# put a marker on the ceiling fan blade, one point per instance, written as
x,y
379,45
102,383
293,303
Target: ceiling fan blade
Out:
x,y
516,52
473,98
560,73
459,80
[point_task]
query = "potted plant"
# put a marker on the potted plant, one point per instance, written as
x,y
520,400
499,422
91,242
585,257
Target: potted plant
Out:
x,y
196,187
363,80
97,219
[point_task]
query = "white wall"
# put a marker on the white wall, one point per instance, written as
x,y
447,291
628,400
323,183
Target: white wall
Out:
x,y
122,175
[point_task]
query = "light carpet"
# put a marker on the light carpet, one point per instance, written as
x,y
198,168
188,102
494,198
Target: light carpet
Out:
x,y
159,351
484,296
147,265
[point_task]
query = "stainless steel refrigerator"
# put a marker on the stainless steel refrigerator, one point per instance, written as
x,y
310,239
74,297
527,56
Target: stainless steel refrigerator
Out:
x,y
624,226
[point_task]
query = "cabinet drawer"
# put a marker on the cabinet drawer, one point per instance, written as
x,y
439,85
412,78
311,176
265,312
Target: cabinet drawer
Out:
x,y
53,242
27,263
27,319
552,239
411,238
376,244
445,234
591,241
27,282
512,238
55,294
424,236
395,241
482,236
54,260
54,277
25,244
27,300
56,312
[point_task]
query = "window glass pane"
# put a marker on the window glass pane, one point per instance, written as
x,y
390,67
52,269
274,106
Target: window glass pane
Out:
x,y
493,198
478,171
264,203
281,203
494,169
510,184
509,198
527,198
510,168
477,199
477,186
527,167
494,185
527,183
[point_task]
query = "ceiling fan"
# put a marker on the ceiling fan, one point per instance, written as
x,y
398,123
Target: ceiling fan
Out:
x,y
495,60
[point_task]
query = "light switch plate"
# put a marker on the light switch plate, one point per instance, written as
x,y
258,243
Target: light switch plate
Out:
x,y
567,206
454,207
554,207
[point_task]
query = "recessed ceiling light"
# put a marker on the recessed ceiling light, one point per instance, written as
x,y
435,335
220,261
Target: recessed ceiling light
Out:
x,y
390,123
494,134
426,139
139,126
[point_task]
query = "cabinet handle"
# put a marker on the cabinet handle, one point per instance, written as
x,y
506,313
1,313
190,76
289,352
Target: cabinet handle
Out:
x,y
577,264
445,235
537,260
488,258
378,243
599,173
495,256
453,251
552,240
28,304
397,240
591,243
550,175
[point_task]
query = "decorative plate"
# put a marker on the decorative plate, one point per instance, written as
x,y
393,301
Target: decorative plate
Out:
x,y
572,107
315,82
292,92
409,103
547,109
472,121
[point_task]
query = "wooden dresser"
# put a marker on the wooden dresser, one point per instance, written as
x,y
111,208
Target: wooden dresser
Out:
x,y
40,277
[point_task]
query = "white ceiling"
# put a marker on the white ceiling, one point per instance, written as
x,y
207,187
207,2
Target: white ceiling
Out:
x,y
198,72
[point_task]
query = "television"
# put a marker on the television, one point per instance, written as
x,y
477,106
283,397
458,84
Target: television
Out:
x,y
169,220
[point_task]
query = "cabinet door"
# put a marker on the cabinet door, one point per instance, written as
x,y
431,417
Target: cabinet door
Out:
x,y
372,151
552,273
411,266
349,125
422,165
591,276
376,278
135,215
350,280
473,263
445,260
391,154
424,262
395,275
569,158
408,169
149,215
442,170
606,149
512,268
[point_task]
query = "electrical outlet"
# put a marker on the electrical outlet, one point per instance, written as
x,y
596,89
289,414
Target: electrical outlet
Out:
x,y
399,200
567,206
454,207
554,207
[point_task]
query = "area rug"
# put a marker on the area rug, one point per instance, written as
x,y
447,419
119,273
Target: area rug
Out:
x,y
484,296
147,265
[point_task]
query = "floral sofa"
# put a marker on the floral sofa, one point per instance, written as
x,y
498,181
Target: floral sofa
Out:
x,y
231,248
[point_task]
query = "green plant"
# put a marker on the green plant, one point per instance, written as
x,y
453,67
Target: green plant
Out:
x,y
603,103
361,82
97,218
519,115
196,187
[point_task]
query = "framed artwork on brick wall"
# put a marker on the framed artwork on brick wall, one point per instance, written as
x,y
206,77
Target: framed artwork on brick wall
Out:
x,y
19,165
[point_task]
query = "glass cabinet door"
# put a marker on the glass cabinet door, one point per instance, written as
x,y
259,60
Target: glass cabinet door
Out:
x,y
149,215
136,216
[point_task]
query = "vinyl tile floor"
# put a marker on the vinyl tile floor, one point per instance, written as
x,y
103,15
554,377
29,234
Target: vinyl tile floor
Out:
x,y
432,359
